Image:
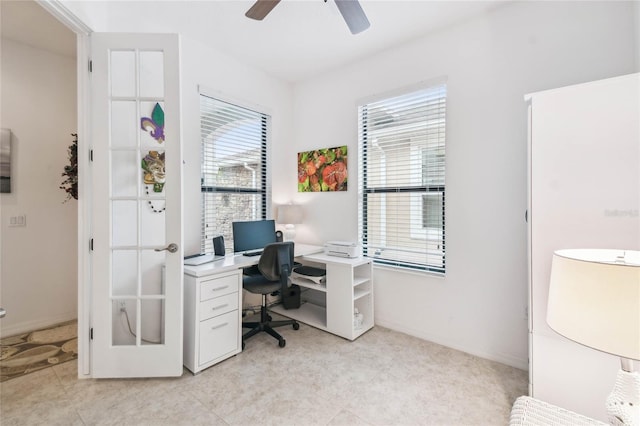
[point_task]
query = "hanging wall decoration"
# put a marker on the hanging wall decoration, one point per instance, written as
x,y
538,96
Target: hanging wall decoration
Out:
x,y
153,166
5,161
154,124
153,162
323,170
154,175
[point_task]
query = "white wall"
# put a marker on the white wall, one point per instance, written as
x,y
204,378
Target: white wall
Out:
x,y
39,263
491,62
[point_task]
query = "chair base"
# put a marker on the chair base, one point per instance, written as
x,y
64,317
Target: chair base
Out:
x,y
267,325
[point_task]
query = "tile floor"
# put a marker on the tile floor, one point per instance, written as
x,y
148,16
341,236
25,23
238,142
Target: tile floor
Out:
x,y
383,378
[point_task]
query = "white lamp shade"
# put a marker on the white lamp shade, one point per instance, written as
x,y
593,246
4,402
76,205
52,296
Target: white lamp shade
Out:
x,y
289,214
594,299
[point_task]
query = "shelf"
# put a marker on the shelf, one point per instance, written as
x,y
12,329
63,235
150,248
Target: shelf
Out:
x,y
360,280
360,331
309,284
308,313
357,293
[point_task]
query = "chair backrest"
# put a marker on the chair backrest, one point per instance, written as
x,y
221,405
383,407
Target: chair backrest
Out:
x,y
276,261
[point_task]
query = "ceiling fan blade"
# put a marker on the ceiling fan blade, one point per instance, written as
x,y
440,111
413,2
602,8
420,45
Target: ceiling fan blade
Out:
x,y
353,15
260,9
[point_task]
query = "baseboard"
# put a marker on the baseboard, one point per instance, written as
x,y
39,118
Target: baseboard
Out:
x,y
511,361
27,326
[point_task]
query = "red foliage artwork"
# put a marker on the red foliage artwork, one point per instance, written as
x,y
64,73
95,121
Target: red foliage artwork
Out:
x,y
323,170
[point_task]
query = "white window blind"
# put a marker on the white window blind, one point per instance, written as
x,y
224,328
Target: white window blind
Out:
x,y
234,168
402,179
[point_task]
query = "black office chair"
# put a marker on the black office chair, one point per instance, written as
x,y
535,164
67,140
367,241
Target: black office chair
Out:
x,y
275,265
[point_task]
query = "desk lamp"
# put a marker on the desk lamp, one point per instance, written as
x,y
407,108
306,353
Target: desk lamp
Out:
x,y
289,215
594,300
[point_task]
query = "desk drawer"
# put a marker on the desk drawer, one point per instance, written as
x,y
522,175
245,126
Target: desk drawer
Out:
x,y
218,336
218,287
218,306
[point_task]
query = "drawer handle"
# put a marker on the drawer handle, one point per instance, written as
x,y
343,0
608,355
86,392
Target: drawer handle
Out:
x,y
220,288
215,327
219,306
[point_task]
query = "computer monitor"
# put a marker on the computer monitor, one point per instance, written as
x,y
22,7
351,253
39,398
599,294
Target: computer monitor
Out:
x,y
253,234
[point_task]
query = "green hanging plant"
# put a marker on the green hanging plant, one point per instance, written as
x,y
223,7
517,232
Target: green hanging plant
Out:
x,y
70,184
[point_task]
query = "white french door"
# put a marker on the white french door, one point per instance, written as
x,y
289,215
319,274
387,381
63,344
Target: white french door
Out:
x,y
136,218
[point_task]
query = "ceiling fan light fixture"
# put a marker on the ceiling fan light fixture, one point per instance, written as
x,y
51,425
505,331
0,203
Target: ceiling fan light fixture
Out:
x,y
351,11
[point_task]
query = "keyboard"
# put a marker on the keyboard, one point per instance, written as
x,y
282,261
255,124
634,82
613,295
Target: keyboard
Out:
x,y
200,259
252,253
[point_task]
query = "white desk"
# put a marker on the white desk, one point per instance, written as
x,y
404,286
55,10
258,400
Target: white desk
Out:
x,y
213,308
213,303
233,262
330,307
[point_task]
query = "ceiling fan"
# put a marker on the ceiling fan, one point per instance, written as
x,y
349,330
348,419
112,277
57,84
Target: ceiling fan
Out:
x,y
350,10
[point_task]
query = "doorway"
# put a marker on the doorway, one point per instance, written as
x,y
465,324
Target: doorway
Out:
x,y
39,238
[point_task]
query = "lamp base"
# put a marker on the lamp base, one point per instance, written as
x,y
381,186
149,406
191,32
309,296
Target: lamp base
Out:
x,y
289,232
623,404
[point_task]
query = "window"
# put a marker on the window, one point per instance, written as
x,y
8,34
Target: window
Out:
x,y
234,168
402,179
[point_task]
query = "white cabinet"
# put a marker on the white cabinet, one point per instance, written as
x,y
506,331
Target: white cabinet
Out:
x,y
212,318
330,307
584,165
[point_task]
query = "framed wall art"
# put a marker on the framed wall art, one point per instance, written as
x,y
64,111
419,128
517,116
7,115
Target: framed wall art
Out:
x,y
323,170
5,161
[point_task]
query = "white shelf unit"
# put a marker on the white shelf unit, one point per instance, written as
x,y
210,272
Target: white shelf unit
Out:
x,y
212,318
330,307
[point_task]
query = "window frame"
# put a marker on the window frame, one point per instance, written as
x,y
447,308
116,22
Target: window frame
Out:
x,y
420,184
263,206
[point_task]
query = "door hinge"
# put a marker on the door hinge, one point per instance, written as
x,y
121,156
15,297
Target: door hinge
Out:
x,y
91,333
91,244
90,66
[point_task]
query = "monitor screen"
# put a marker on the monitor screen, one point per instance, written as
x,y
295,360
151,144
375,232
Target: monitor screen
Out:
x,y
253,235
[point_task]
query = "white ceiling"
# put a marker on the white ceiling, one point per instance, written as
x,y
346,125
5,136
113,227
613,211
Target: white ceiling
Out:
x,y
298,39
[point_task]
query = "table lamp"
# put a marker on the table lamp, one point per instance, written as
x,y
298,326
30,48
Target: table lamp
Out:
x,y
289,215
594,300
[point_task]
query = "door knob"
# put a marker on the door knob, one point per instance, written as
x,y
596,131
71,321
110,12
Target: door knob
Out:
x,y
171,248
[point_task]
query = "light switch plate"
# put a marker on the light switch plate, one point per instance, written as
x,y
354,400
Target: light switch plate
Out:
x,y
20,220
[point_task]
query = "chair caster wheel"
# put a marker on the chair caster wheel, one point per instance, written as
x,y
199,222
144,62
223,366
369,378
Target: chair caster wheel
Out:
x,y
296,326
282,342
269,318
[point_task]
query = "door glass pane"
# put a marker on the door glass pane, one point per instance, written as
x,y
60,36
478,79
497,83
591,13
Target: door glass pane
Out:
x,y
124,217
152,223
151,263
152,325
123,325
124,124
151,67
124,273
124,178
123,73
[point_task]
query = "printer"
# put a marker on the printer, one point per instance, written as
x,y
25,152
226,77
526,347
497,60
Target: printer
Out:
x,y
342,249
